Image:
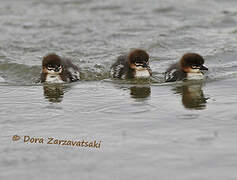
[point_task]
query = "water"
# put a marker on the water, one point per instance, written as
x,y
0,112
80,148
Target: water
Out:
x,y
156,130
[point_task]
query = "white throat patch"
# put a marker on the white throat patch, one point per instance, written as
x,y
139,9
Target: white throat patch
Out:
x,y
144,73
195,76
54,79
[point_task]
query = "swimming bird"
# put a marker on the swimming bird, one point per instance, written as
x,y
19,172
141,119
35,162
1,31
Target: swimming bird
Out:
x,y
58,70
134,64
190,66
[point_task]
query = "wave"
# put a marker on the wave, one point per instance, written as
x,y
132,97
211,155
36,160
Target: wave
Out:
x,y
20,74
220,67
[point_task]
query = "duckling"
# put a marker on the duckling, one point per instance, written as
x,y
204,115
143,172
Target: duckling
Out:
x,y
58,70
190,67
134,64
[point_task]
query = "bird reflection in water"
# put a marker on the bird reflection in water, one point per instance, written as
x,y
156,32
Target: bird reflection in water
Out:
x,y
54,92
192,96
139,92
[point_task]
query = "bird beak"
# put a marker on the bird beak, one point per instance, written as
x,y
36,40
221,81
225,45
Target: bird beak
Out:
x,y
57,69
203,68
145,65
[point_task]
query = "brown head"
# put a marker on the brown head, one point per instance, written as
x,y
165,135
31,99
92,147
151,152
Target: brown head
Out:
x,y
192,63
138,59
52,64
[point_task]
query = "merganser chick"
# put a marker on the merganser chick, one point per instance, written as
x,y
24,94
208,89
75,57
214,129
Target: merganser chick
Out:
x,y
189,67
58,70
135,64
